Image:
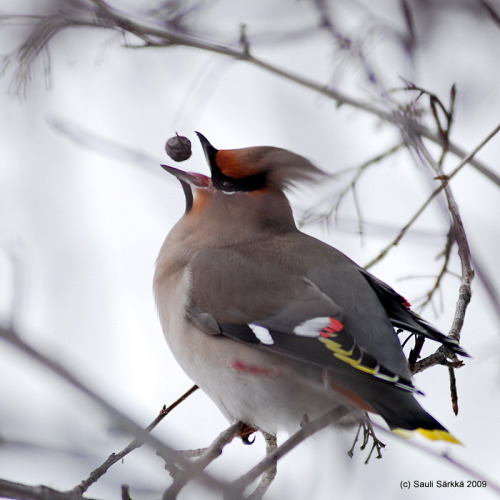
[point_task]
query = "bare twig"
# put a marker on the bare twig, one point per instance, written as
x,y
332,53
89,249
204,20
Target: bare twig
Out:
x,y
359,170
460,236
268,476
245,44
292,442
96,474
125,422
210,454
351,47
107,17
88,139
453,389
18,289
456,234
126,492
437,358
457,169
450,240
490,9
11,489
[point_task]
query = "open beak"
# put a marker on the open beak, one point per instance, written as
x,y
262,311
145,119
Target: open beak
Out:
x,y
192,178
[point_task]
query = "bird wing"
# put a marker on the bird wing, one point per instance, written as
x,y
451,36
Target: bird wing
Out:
x,y
280,312
401,316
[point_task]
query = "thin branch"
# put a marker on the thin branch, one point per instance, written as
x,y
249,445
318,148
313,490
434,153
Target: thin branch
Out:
x,y
460,237
437,358
96,474
352,48
358,172
210,454
90,140
11,489
457,169
450,240
268,476
124,421
307,430
107,17
126,492
453,389
456,234
495,16
465,259
18,288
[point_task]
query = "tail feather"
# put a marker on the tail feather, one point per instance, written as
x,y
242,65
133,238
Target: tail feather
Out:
x,y
434,434
408,418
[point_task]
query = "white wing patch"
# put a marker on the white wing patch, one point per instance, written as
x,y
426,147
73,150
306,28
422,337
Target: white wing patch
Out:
x,y
262,334
312,327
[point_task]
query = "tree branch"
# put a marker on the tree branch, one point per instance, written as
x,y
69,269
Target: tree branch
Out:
x,y
96,474
457,169
104,16
10,489
268,476
209,455
121,419
307,430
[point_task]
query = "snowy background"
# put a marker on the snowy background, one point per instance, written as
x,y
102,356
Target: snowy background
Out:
x,y
80,229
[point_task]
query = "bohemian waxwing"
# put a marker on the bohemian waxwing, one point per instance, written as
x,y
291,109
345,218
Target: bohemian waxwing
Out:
x,y
274,325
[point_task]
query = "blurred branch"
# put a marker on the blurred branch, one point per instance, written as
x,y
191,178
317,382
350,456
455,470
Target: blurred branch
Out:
x,y
268,477
450,176
307,430
122,420
94,142
102,15
446,253
208,456
10,489
312,215
17,285
346,44
96,474
488,7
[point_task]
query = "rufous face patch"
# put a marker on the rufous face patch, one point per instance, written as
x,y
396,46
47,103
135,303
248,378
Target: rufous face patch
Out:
x,y
230,164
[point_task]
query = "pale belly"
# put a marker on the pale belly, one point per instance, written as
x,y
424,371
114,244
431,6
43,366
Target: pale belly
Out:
x,y
262,389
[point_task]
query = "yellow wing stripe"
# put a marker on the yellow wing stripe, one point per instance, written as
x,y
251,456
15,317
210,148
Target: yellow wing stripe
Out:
x,y
336,347
354,356
345,356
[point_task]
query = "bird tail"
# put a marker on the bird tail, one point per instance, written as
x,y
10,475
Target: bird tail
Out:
x,y
412,419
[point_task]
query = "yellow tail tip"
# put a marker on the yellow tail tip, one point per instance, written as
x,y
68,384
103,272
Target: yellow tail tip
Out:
x,y
433,434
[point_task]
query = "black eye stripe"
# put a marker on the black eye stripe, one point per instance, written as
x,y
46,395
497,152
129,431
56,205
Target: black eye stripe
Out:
x,y
226,183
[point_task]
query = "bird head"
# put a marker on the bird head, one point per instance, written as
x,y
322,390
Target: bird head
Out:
x,y
248,183
248,169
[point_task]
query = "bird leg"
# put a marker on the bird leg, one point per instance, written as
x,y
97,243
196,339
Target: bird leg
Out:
x,y
245,432
368,433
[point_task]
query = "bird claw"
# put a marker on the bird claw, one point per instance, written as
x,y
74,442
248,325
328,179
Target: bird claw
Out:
x,y
245,432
